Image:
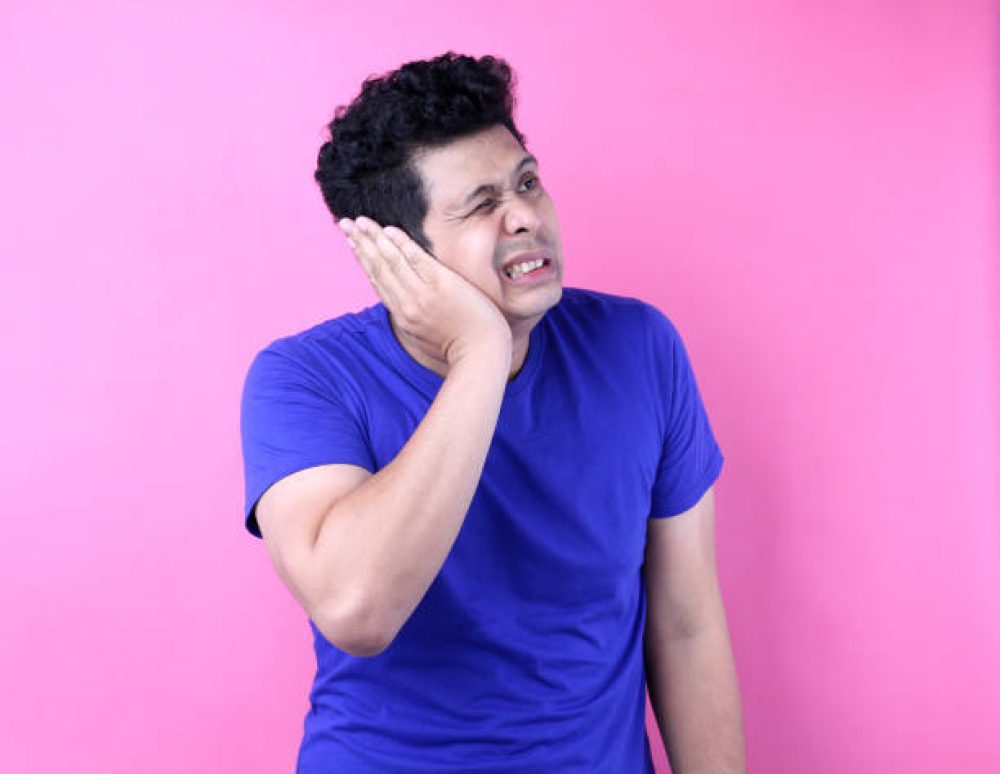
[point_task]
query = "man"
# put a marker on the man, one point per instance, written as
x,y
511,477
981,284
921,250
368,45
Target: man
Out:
x,y
467,485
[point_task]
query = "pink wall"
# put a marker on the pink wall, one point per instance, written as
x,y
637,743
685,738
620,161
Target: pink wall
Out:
x,y
807,188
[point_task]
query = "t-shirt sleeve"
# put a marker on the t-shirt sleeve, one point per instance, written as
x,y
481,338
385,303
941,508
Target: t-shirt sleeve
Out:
x,y
291,419
690,460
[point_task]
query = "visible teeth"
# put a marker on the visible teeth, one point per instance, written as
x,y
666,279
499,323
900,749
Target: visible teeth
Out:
x,y
516,271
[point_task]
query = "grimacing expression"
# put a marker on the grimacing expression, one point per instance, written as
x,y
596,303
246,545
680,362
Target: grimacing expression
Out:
x,y
486,205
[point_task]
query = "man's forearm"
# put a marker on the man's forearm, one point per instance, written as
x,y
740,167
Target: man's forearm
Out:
x,y
695,696
390,536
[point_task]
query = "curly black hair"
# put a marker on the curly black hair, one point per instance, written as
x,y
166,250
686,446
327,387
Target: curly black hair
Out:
x,y
365,167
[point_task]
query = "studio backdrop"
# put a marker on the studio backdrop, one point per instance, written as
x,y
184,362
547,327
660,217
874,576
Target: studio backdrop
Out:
x,y
807,189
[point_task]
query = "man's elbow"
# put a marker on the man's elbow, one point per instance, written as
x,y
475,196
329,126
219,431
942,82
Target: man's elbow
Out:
x,y
356,631
684,622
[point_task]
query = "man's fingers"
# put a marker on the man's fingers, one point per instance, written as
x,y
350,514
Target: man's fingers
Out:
x,y
396,260
372,264
388,247
383,249
364,242
352,233
414,254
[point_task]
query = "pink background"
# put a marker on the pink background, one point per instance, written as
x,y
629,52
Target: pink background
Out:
x,y
807,188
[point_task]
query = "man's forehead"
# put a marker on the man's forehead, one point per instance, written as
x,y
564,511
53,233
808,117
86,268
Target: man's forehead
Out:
x,y
452,172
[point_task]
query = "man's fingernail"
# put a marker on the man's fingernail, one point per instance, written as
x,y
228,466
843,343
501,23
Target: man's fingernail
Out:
x,y
345,225
362,224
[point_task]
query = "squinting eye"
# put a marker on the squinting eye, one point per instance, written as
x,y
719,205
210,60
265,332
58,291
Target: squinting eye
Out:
x,y
485,204
533,180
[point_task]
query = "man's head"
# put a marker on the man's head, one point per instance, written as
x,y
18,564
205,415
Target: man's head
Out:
x,y
366,168
433,149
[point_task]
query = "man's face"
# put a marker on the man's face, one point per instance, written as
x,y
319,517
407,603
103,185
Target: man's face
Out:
x,y
486,206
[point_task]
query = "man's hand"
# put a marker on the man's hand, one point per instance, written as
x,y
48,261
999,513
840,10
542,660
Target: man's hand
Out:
x,y
439,310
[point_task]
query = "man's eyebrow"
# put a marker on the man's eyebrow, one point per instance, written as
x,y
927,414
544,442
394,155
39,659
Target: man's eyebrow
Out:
x,y
489,187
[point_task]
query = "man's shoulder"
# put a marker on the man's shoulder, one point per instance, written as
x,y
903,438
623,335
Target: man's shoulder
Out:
x,y
614,325
589,296
347,330
327,352
607,310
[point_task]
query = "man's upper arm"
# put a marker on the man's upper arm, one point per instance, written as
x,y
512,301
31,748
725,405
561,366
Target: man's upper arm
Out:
x,y
294,417
691,459
290,514
679,571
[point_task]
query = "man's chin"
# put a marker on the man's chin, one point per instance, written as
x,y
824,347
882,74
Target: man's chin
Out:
x,y
529,311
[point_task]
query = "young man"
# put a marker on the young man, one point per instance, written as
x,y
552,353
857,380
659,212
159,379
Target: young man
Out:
x,y
467,485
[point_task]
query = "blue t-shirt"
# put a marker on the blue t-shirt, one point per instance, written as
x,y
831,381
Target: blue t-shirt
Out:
x,y
525,654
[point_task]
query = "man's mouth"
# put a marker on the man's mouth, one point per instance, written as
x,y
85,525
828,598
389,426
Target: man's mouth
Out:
x,y
526,263
526,267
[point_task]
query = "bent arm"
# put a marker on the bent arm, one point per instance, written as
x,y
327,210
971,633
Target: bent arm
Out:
x,y
359,551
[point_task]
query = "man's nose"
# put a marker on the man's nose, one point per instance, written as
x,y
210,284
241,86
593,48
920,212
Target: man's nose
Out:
x,y
520,217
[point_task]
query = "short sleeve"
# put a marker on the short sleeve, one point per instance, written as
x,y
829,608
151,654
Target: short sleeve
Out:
x,y
690,460
292,419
